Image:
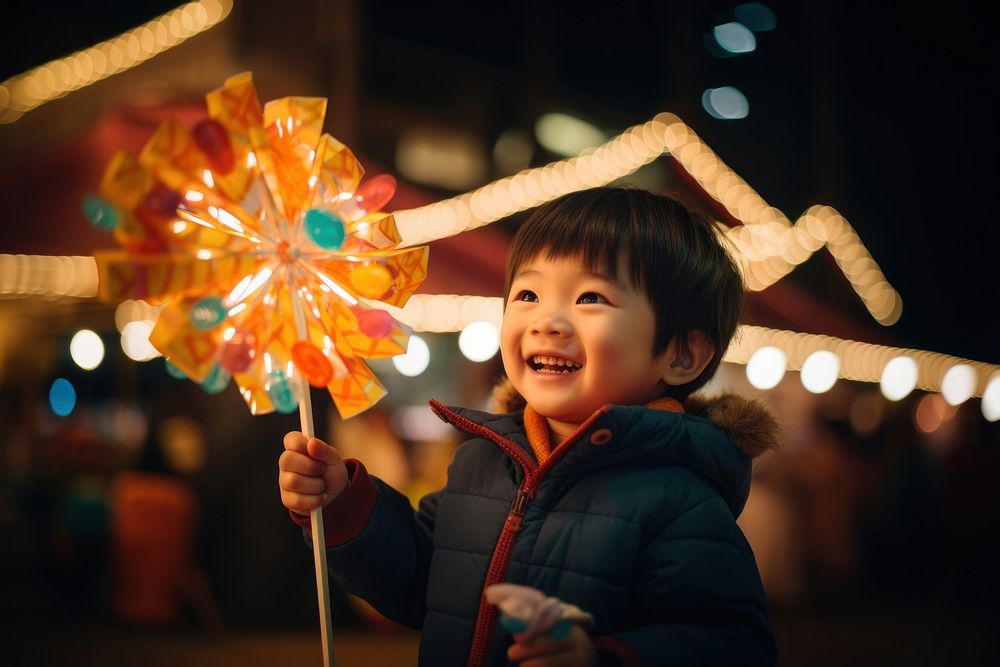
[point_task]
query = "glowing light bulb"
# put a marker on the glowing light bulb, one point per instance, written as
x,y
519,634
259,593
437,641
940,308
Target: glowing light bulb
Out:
x,y
958,384
416,359
820,371
479,341
734,37
62,397
899,377
135,340
766,367
756,16
86,349
725,103
566,135
991,399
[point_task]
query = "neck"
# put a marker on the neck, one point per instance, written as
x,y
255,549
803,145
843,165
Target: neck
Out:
x,y
558,431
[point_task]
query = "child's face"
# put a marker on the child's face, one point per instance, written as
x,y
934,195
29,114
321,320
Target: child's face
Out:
x,y
573,340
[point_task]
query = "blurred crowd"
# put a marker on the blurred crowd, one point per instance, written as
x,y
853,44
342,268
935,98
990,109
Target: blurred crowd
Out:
x,y
165,514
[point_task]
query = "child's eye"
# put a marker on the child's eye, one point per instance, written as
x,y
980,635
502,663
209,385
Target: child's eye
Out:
x,y
526,295
591,297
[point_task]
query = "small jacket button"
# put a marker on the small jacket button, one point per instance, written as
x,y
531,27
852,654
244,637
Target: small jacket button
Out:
x,y
601,436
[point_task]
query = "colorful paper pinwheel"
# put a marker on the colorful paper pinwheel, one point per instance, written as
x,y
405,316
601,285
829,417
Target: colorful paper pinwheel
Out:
x,y
256,232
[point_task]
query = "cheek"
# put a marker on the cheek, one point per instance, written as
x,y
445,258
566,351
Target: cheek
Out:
x,y
623,345
509,344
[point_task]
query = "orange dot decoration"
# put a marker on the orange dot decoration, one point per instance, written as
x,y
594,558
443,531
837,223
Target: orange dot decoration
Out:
x,y
312,362
211,220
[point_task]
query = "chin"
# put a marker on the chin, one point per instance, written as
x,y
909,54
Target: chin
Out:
x,y
559,413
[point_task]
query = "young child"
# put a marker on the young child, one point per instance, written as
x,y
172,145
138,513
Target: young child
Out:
x,y
603,490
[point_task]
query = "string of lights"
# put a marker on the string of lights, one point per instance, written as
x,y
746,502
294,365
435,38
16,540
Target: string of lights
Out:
x,y
768,245
766,352
29,90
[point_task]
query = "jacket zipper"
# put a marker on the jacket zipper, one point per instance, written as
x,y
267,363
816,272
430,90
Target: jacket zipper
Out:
x,y
487,614
533,474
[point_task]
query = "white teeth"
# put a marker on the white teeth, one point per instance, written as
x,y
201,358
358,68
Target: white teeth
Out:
x,y
547,363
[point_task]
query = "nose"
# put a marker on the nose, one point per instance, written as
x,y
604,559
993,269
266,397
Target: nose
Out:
x,y
552,323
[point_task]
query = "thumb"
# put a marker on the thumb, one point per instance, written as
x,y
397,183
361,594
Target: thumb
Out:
x,y
322,452
334,473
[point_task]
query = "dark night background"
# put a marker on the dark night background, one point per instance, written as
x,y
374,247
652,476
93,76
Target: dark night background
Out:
x,y
881,110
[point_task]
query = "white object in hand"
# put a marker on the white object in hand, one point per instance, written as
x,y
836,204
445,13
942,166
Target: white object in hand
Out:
x,y
529,613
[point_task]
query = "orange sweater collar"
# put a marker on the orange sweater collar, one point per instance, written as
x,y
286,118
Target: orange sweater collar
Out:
x,y
536,428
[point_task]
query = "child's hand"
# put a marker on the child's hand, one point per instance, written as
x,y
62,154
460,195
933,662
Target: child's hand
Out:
x,y
310,473
576,650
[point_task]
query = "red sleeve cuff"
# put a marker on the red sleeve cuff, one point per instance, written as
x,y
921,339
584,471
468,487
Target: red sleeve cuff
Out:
x,y
345,516
615,653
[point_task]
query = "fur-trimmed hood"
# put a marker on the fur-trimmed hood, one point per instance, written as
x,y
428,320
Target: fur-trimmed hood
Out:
x,y
747,422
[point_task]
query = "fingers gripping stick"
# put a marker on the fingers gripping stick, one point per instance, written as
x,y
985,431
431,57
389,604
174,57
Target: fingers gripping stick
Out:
x,y
528,613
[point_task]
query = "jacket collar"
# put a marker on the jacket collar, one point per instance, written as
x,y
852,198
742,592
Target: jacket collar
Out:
x,y
716,443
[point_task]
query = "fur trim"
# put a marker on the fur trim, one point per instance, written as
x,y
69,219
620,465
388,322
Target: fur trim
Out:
x,y
748,423
505,398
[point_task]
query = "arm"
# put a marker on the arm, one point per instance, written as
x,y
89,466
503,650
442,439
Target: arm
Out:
x,y
699,594
377,547
387,563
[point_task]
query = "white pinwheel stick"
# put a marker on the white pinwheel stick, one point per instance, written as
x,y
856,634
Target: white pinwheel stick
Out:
x,y
315,516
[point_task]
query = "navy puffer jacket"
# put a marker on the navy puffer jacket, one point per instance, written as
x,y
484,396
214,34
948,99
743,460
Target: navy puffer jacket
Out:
x,y
633,520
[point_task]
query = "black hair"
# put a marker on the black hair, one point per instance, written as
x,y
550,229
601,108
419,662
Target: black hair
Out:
x,y
655,244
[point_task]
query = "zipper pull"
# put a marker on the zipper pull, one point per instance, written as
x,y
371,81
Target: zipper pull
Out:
x,y
520,502
518,507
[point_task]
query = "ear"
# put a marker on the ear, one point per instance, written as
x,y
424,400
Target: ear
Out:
x,y
683,361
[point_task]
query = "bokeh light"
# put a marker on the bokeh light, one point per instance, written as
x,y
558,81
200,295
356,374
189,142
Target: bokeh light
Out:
x,y
54,79
766,367
820,371
416,359
479,341
512,151
135,340
899,377
62,397
183,444
565,135
725,103
932,411
865,412
991,399
958,384
756,15
734,37
86,349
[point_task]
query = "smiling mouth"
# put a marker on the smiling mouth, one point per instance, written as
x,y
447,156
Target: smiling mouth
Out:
x,y
543,363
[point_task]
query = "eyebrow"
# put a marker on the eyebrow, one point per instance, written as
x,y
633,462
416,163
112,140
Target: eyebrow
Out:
x,y
592,274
